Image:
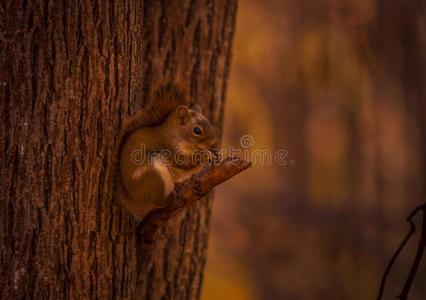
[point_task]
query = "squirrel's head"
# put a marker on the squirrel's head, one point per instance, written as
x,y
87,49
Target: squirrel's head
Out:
x,y
191,131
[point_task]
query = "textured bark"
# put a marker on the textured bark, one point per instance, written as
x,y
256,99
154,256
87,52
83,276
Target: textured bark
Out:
x,y
70,73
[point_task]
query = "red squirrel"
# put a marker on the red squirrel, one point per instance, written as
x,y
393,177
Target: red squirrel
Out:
x,y
168,143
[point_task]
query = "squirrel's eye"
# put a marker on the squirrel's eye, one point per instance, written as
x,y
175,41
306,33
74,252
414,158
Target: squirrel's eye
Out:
x,y
197,130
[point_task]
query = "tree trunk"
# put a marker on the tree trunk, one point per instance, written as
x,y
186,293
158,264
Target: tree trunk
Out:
x,y
70,73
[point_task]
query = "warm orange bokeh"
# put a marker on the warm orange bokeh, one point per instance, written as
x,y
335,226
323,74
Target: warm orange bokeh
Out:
x,y
306,77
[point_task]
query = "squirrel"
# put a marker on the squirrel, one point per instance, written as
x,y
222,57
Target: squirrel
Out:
x,y
167,143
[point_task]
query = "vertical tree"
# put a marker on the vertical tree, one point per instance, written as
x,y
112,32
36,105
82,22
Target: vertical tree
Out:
x,y
70,73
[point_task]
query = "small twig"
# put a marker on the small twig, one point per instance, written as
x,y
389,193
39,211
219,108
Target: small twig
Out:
x,y
417,260
188,191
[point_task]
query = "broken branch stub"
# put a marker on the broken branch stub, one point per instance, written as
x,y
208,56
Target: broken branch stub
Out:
x,y
190,190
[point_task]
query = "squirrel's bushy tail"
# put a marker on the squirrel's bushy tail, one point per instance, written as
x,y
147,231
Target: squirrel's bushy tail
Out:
x,y
156,109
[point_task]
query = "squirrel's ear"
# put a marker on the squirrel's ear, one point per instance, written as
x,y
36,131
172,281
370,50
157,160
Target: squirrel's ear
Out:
x,y
197,108
182,112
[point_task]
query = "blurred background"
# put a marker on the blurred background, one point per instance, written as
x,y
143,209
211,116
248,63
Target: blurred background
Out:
x,y
340,85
